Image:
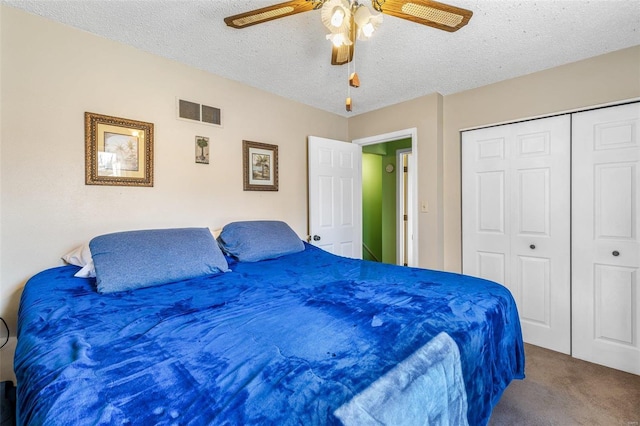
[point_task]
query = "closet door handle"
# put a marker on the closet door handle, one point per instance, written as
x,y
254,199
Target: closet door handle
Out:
x,y
615,253
532,246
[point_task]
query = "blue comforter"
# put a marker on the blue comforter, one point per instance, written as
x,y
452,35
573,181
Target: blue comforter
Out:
x,y
295,340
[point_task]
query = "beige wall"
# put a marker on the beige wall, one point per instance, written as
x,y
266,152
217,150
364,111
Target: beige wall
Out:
x,y
424,114
51,74
604,79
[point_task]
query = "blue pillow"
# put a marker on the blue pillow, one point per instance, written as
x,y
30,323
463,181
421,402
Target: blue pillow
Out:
x,y
136,259
251,241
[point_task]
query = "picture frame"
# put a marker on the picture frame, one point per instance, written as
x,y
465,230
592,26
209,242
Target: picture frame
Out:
x,y
260,166
202,150
118,151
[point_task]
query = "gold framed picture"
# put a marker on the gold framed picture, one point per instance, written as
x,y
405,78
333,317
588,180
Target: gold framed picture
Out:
x,y
260,166
118,151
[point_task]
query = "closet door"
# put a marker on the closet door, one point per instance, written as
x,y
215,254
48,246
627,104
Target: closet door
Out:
x,y
606,244
516,213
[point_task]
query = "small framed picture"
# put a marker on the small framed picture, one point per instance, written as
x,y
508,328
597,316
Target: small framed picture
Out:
x,y
118,151
260,166
202,150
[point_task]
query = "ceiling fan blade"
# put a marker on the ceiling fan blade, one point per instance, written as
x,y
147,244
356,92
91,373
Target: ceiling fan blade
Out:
x,y
426,12
270,13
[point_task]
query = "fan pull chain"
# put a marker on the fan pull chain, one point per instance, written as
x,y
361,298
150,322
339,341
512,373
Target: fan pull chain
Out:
x,y
348,102
354,81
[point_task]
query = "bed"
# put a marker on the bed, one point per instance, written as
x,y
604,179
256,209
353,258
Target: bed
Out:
x,y
285,337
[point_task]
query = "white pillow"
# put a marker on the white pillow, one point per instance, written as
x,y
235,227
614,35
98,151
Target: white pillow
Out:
x,y
215,232
87,271
81,256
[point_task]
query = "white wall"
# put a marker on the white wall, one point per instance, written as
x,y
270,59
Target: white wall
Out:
x,y
51,74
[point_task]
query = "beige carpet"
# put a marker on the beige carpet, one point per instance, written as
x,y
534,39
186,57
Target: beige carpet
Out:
x,y
561,390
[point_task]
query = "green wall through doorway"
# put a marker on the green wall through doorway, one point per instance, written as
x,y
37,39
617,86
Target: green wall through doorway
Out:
x,y
379,200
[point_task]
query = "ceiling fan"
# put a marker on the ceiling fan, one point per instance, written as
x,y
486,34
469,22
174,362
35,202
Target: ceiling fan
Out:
x,y
351,19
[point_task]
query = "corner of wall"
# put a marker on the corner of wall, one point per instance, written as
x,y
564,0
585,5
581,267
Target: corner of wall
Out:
x,y
440,175
6,353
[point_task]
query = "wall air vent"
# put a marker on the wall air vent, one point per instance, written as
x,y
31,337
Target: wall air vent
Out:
x,y
194,111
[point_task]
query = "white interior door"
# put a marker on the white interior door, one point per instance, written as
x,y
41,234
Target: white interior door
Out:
x,y
516,220
606,245
335,196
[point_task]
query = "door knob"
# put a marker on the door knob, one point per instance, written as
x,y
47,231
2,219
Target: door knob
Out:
x,y
532,246
316,238
616,253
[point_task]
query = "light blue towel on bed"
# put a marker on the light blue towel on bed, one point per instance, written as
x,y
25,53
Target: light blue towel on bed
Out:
x,y
404,396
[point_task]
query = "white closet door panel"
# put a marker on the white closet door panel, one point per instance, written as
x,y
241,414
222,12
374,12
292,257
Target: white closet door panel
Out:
x,y
516,192
614,195
485,196
606,244
540,243
614,307
490,202
491,266
533,206
535,284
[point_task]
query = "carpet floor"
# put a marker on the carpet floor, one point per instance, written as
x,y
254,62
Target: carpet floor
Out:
x,y
561,390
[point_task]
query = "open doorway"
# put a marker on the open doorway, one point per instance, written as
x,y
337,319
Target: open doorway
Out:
x,y
389,217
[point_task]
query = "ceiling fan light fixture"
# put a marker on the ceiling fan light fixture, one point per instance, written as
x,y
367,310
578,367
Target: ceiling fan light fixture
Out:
x,y
367,30
366,22
339,39
348,20
335,15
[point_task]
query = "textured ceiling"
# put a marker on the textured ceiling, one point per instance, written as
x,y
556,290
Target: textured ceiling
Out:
x,y
291,58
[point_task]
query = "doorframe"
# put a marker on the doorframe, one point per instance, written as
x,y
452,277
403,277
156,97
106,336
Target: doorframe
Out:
x,y
411,133
400,191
